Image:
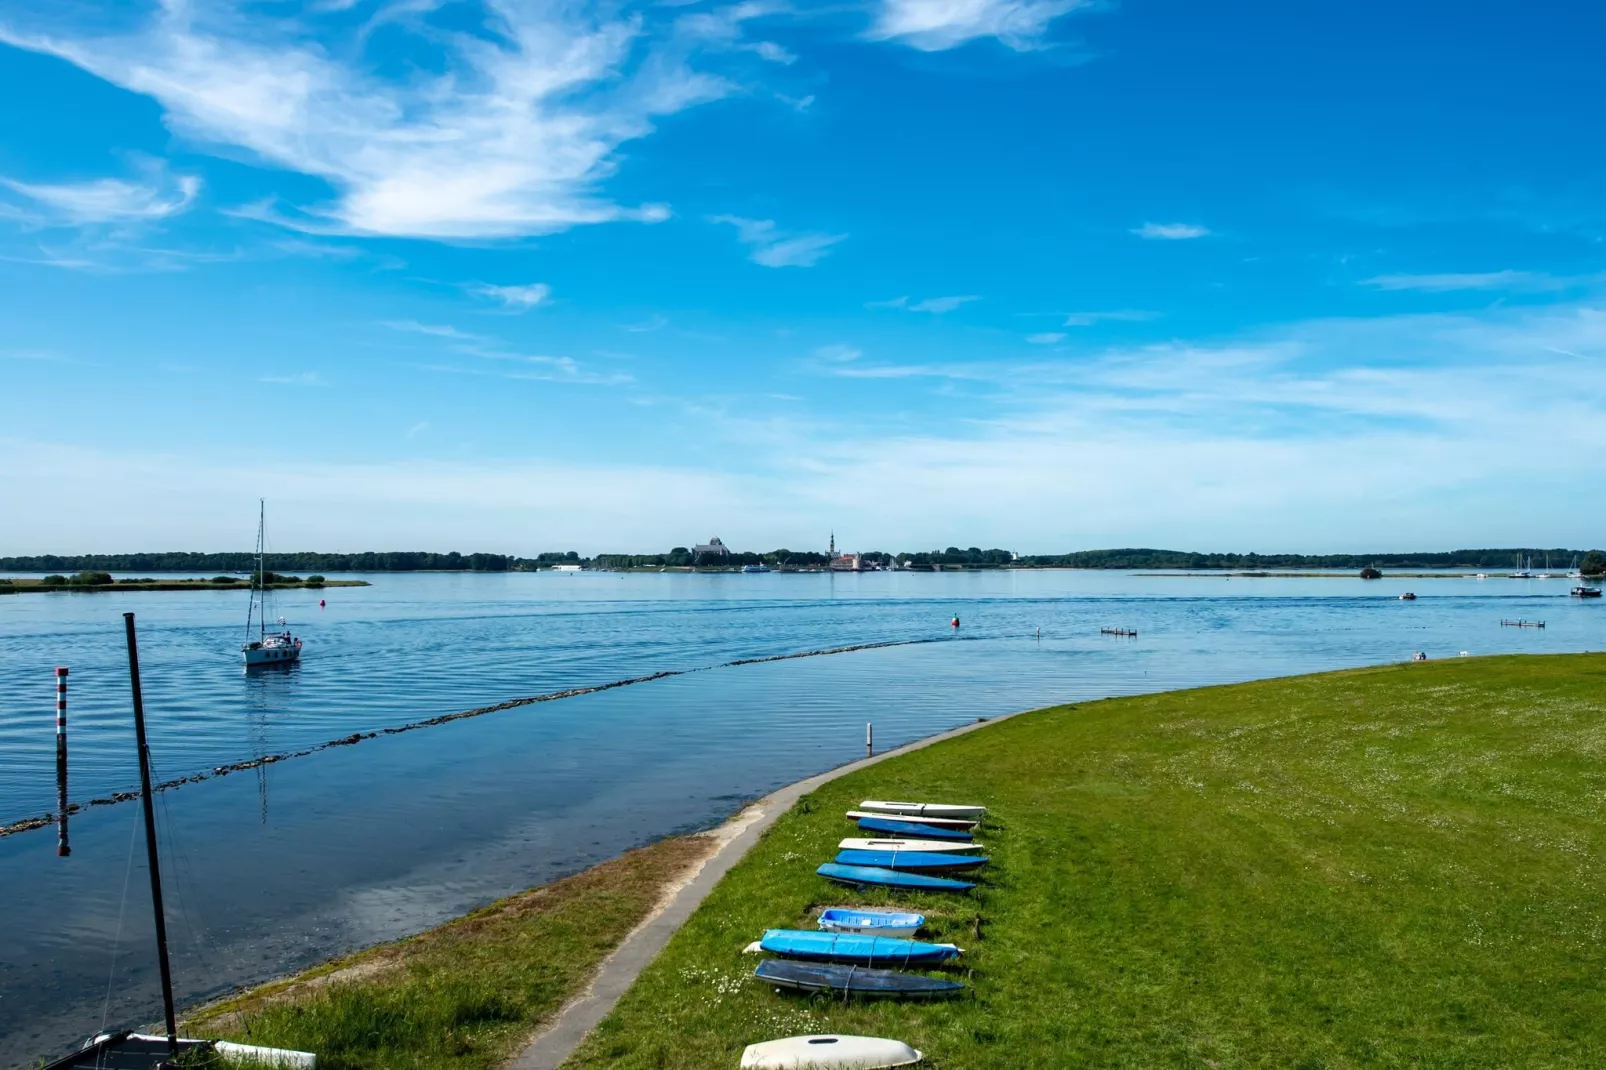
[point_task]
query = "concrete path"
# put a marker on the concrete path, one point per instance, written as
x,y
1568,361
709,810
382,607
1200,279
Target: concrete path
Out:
x,y
620,969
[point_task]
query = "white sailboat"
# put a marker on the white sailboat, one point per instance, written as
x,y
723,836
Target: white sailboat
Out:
x,y
280,648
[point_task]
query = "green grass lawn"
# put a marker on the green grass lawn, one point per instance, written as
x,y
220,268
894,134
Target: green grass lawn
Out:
x,y
1388,867
464,996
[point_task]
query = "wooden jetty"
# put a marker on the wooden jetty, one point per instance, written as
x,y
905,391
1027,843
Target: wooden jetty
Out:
x,y
1119,631
1522,623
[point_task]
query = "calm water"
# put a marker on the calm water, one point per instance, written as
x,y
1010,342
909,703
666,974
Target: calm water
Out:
x,y
275,868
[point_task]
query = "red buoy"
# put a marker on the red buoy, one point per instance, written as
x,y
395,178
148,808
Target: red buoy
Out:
x,y
320,603
956,622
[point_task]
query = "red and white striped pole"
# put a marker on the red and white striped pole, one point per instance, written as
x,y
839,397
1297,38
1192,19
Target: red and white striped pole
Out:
x,y
62,848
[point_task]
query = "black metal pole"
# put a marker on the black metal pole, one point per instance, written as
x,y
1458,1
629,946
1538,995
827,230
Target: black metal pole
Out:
x,y
63,848
150,837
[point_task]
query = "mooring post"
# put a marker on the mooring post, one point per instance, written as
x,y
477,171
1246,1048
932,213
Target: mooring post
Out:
x,y
869,740
150,837
63,849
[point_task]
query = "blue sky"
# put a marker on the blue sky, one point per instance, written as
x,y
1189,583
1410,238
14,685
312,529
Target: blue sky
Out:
x,y
1031,273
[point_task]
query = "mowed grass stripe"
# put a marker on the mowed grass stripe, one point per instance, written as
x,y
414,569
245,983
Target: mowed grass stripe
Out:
x,y
1396,866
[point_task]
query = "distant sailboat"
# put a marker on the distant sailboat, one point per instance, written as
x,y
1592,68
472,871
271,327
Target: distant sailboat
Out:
x,y
1522,572
280,648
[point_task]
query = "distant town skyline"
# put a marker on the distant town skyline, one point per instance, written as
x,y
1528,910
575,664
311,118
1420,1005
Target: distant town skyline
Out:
x,y
1044,275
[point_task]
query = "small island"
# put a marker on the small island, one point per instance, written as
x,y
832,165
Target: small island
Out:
x,y
89,581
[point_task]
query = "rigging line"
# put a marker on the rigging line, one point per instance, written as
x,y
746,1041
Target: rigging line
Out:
x,y
183,874
111,974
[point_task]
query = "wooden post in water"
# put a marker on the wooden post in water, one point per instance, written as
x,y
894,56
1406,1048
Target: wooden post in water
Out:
x,y
150,837
63,849
869,740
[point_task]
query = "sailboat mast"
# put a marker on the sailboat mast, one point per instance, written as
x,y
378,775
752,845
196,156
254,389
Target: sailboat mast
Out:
x,y
150,838
262,577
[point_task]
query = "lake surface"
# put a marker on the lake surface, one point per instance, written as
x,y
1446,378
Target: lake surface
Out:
x,y
274,868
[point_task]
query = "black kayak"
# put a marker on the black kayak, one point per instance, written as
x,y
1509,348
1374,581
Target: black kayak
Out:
x,y
853,980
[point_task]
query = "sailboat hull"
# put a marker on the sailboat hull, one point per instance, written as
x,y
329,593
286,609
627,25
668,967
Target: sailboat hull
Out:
x,y
271,654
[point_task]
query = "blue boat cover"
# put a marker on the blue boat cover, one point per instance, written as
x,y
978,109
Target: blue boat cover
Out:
x,y
872,919
890,878
852,947
912,830
853,980
922,860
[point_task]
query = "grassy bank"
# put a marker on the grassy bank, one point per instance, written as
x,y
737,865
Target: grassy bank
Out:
x,y
1398,866
465,996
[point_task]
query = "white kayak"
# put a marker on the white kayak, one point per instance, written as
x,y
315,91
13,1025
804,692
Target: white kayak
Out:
x,y
945,822
828,1051
927,846
924,809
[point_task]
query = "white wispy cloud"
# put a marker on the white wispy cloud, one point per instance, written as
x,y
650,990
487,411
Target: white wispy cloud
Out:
x,y
937,25
1046,338
1170,231
1089,319
521,298
108,200
1521,281
437,330
655,322
295,379
776,248
934,305
939,305
418,429
507,362
838,354
501,129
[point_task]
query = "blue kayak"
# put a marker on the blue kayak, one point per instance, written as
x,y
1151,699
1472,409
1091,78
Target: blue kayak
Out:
x,y
868,922
919,860
853,948
890,878
912,830
853,980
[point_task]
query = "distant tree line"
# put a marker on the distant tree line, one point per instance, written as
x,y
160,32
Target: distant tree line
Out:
x,y
1560,559
1592,563
403,561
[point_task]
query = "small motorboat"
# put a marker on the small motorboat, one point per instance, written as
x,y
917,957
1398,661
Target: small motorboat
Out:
x,y
879,877
853,980
926,846
898,923
829,1052
946,822
924,809
912,829
1408,596
854,948
1582,591
916,860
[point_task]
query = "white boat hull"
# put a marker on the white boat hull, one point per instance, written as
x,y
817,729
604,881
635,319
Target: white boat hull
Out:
x,y
927,846
945,822
271,653
922,809
828,1052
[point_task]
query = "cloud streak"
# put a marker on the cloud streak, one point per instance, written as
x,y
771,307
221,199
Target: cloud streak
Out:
x,y
108,200
1515,281
1170,231
938,25
518,298
776,248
